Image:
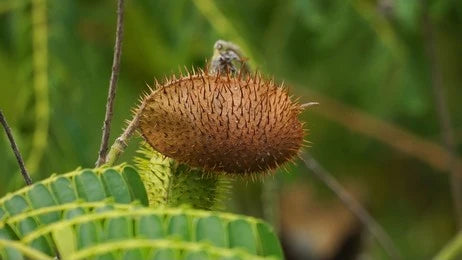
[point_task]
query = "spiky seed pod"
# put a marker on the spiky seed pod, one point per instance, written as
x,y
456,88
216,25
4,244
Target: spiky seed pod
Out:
x,y
223,124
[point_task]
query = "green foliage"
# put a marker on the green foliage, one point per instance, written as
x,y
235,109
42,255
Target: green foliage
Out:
x,y
121,183
91,214
171,184
103,228
353,51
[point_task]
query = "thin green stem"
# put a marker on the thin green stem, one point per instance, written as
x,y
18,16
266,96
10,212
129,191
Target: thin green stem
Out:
x,y
121,142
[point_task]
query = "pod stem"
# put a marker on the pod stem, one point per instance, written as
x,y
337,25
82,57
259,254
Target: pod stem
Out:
x,y
122,141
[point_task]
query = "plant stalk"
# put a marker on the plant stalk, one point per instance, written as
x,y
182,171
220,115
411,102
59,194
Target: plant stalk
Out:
x,y
112,85
16,152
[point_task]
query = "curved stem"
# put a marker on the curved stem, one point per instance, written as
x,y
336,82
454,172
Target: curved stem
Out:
x,y
121,142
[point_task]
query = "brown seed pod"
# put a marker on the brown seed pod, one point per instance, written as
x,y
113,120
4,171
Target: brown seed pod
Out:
x,y
236,125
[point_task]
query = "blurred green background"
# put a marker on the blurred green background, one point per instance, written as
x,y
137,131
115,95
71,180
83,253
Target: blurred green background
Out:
x,y
372,64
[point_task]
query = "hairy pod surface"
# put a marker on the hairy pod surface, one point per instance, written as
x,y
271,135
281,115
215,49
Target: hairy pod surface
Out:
x,y
236,125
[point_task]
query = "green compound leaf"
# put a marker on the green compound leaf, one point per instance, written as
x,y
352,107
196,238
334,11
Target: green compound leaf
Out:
x,y
64,239
41,197
133,255
107,256
16,205
269,241
79,185
63,191
164,254
20,251
241,235
88,234
199,255
106,230
212,230
118,229
89,187
116,186
6,233
150,227
178,227
96,214
74,213
136,185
